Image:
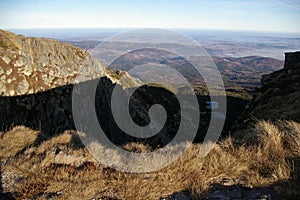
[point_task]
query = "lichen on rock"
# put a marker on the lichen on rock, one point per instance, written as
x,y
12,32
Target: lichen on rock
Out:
x,y
40,64
6,59
23,87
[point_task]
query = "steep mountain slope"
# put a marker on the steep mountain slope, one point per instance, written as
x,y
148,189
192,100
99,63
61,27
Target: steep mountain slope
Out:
x,y
37,78
30,65
279,96
38,166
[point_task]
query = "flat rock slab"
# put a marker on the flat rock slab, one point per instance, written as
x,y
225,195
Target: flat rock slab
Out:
x,y
218,191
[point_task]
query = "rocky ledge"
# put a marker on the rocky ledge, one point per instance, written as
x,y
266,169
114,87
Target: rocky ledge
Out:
x,y
29,65
37,77
277,99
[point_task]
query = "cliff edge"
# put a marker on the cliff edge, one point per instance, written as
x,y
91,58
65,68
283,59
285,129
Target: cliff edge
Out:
x,y
277,99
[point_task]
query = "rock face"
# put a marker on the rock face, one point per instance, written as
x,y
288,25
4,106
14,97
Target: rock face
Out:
x,y
238,192
30,65
37,77
279,96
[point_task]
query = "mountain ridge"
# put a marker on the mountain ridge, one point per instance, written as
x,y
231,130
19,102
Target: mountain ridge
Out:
x,y
278,97
29,65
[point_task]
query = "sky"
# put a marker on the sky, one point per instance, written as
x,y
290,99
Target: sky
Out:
x,y
245,15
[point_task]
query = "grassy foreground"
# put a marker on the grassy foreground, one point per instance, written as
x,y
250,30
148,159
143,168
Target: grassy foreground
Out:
x,y
61,168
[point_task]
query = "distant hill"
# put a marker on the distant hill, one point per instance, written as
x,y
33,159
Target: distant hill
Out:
x,y
244,72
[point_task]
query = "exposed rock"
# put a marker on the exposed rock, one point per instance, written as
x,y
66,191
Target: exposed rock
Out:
x,y
178,196
2,88
1,71
27,70
42,72
236,192
9,71
42,61
20,62
23,87
6,59
44,76
277,99
12,92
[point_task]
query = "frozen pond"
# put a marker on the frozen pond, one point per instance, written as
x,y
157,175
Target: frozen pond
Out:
x,y
212,105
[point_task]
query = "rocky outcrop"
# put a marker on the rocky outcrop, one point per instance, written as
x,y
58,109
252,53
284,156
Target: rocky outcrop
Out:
x,y
36,81
51,111
30,65
278,98
231,192
37,77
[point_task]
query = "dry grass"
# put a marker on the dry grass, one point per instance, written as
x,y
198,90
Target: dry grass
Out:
x,y
16,140
62,166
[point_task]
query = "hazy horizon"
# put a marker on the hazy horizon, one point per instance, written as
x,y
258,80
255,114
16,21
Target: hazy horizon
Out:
x,y
62,33
220,43
236,15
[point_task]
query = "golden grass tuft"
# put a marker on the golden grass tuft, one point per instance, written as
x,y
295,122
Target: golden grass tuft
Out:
x,y
16,140
137,147
68,138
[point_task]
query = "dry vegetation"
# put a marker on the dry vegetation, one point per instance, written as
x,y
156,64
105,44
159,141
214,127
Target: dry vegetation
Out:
x,y
61,168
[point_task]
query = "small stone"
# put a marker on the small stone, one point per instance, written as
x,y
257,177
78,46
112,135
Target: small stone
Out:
x,y
3,78
44,77
51,72
6,59
178,196
31,91
11,92
23,87
227,182
20,62
9,71
27,70
2,88
1,71
9,80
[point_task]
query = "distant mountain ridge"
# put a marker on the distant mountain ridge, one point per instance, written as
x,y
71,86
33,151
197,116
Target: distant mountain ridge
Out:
x,y
244,72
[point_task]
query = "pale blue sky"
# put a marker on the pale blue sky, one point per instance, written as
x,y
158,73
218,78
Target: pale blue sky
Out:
x,y
253,15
